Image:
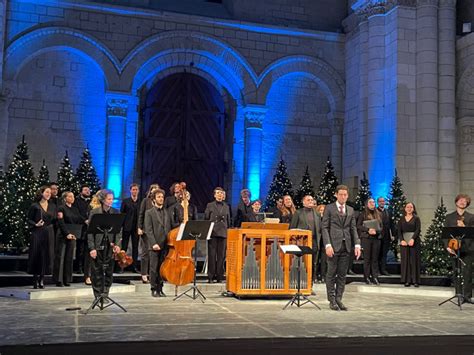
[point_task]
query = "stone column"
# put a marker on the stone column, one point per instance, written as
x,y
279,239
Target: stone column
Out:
x,y
466,156
448,177
254,116
427,162
379,159
336,125
363,96
117,110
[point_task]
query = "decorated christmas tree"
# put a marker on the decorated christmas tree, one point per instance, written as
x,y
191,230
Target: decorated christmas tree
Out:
x,y
86,174
306,188
281,185
16,195
43,175
327,186
434,256
363,194
66,179
396,203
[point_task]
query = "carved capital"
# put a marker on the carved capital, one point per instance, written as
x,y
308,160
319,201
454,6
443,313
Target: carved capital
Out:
x,y
254,116
117,107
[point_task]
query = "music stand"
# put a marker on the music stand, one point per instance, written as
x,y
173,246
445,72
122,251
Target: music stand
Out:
x,y
195,230
298,250
104,223
464,237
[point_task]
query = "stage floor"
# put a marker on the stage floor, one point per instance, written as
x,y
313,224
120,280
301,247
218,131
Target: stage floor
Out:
x,y
156,319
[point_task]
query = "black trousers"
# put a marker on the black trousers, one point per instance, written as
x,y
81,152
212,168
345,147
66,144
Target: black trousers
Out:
x,y
63,259
336,274
371,250
320,264
133,235
156,259
216,248
144,255
104,257
468,259
410,264
384,248
83,259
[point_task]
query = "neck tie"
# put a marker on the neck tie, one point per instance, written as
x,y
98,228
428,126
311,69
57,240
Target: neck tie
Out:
x,y
341,210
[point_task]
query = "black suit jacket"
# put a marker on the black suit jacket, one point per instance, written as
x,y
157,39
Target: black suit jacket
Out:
x,y
157,227
130,208
337,229
242,211
452,219
300,220
220,215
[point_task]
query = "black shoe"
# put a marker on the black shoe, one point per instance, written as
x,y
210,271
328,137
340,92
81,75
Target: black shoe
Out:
x,y
385,273
161,293
333,305
35,282
67,284
407,284
376,281
367,281
209,281
323,280
350,272
154,293
40,283
59,284
341,305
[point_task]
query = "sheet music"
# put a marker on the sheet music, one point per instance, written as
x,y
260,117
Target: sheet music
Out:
x,y
291,247
180,232
210,231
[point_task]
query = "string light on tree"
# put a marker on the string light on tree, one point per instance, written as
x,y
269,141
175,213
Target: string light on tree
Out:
x,y
66,179
434,256
43,175
306,188
86,173
16,195
396,203
280,186
327,186
363,194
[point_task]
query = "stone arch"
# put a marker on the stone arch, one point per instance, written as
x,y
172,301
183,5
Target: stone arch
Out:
x,y
38,41
323,73
179,49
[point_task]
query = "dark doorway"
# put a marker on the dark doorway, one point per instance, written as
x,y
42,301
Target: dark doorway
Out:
x,y
183,137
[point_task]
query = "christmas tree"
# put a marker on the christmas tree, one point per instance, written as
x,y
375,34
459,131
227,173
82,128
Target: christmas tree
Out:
x,y
66,179
327,186
43,175
363,194
306,188
280,186
396,203
434,256
86,174
16,195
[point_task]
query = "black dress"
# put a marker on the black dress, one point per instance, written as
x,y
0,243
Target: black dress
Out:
x,y
70,223
410,257
284,218
40,239
371,248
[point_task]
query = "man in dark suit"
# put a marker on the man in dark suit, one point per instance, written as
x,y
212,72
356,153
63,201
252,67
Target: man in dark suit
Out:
x,y
99,251
386,236
340,237
243,207
307,218
218,212
157,227
130,207
462,218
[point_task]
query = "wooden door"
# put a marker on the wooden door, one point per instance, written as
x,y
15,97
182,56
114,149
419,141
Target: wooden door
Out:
x,y
183,138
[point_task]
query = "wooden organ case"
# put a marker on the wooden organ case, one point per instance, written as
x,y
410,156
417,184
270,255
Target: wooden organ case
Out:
x,y
257,266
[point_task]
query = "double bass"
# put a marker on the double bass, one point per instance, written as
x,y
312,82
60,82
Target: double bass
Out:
x,y
178,267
